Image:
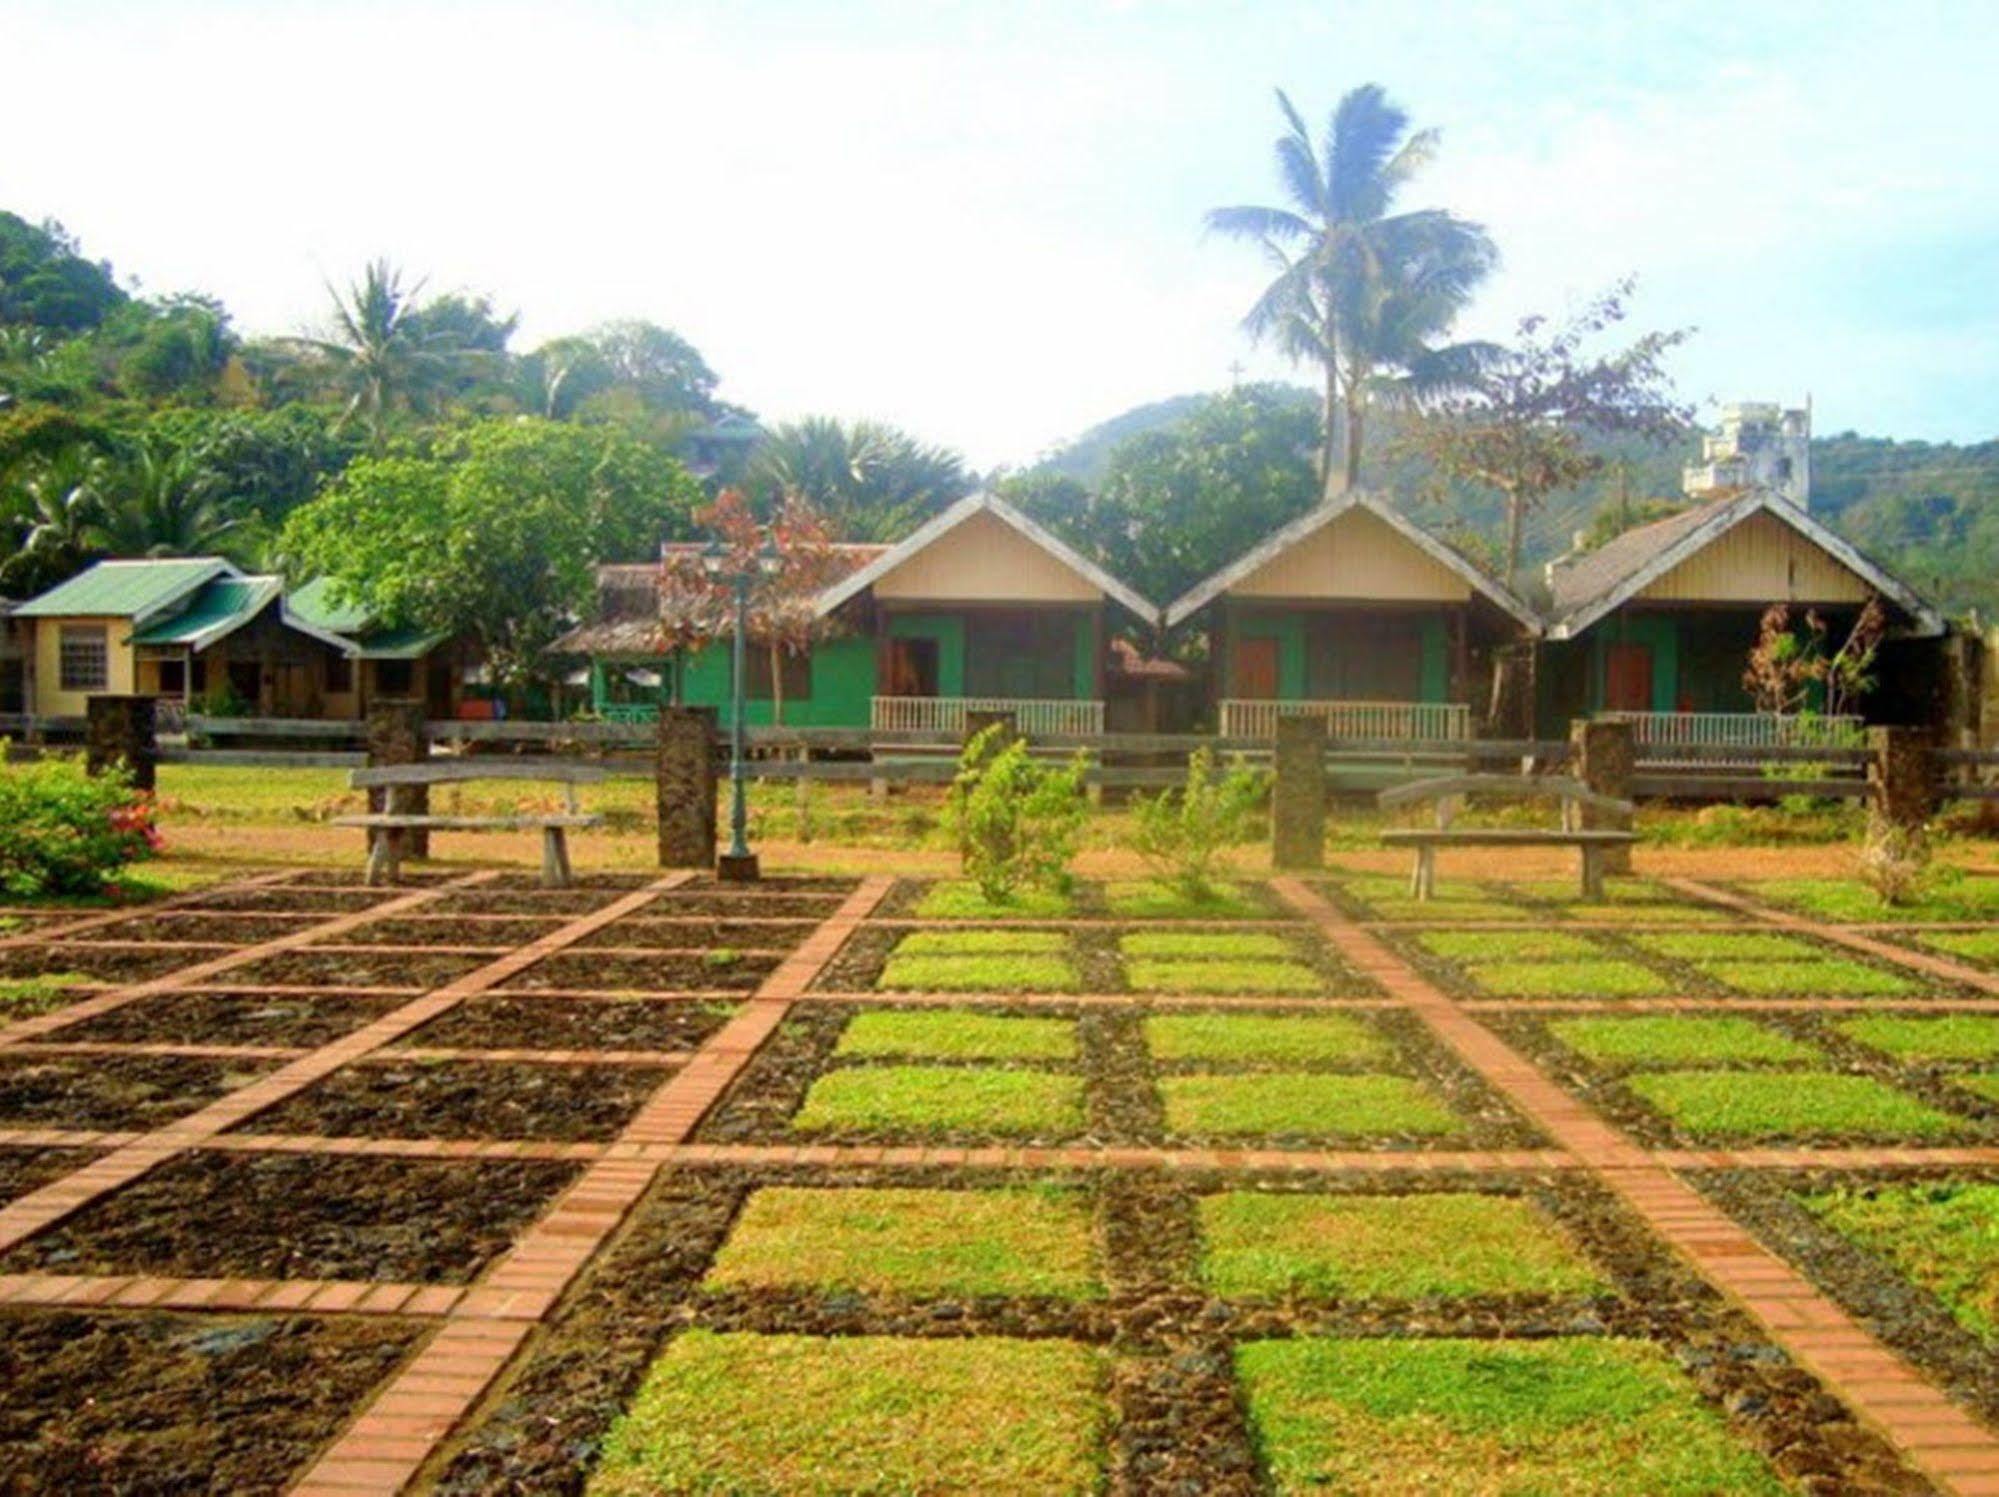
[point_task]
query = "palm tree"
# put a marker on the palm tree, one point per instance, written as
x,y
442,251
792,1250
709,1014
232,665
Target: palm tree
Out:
x,y
55,504
869,481
1361,292
162,501
381,350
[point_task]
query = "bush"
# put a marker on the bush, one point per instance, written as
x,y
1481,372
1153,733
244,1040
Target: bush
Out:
x,y
1016,822
1894,862
1182,834
63,831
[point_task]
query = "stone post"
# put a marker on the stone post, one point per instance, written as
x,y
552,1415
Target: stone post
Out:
x,y
399,733
1604,759
1298,800
1903,770
685,787
120,730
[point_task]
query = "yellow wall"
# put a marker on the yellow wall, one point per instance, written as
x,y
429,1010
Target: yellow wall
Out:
x,y
1762,560
50,699
1357,555
985,560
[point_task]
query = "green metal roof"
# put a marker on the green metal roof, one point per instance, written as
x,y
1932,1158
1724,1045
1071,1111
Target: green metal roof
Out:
x,y
398,644
314,604
125,589
216,609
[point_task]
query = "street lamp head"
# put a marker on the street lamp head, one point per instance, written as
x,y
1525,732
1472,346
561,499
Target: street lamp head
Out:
x,y
768,557
715,559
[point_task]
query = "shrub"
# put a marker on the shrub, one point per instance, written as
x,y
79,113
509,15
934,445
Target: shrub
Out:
x,y
1894,861
1182,834
63,831
1016,822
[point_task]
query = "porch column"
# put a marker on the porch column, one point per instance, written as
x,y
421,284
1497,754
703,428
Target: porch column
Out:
x,y
1903,771
399,733
1604,761
1298,800
684,787
118,731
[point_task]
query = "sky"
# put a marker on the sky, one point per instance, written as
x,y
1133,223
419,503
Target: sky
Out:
x,y
983,221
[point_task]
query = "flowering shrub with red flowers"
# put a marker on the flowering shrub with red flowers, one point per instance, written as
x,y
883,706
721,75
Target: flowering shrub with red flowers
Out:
x,y
63,831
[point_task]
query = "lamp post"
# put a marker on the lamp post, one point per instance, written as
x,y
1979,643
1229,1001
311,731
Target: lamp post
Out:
x,y
738,864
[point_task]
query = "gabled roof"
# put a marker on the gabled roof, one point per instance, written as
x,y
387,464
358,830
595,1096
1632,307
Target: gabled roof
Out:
x,y
314,602
219,607
965,509
136,590
1280,541
1621,568
315,607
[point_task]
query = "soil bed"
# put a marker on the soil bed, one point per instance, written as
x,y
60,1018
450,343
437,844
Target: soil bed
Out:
x,y
503,934
302,1019
101,1402
113,1091
466,1099
23,1170
270,1216
109,964
699,934
568,904
287,899
576,971
711,906
227,930
357,969
496,1022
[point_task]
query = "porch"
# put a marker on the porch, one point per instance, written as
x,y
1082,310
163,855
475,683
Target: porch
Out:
x,y
1408,721
1036,717
1748,731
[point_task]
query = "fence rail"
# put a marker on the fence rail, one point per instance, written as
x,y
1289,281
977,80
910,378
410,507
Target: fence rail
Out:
x,y
1247,718
1034,716
1739,730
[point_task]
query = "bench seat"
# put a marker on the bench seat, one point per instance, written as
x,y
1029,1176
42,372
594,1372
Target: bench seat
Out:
x,y
1447,793
385,828
468,823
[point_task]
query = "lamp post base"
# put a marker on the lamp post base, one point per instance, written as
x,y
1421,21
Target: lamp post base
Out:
x,y
733,869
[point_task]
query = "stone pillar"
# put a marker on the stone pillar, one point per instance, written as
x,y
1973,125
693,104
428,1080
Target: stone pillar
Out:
x,y
1903,771
1604,758
1298,799
119,730
685,787
399,733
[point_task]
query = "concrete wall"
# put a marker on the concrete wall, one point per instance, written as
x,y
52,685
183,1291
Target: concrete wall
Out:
x,y
50,699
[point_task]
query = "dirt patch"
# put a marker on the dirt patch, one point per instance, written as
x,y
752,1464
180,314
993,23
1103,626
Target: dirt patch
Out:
x,y
466,1099
223,930
114,1091
357,969
569,904
100,1402
300,1019
111,964
271,1216
812,907
23,1170
287,900
446,931
696,934
578,971
498,1022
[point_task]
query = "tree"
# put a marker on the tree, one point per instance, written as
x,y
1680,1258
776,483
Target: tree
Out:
x,y
46,283
176,345
870,481
494,533
158,499
381,353
1618,515
1519,424
1362,293
53,500
1790,671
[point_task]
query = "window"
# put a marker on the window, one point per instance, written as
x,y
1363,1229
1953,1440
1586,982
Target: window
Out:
x,y
394,678
797,679
84,655
339,674
173,678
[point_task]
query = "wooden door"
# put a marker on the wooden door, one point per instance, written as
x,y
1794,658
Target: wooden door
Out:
x,y
1627,678
911,668
1254,677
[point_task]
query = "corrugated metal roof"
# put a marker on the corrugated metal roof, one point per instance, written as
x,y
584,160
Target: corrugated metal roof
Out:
x,y
217,609
397,644
125,589
314,604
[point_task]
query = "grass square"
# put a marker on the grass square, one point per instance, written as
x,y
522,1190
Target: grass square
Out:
x,y
947,1034
1972,945
1943,1037
1152,899
1986,1085
957,899
1561,1416
1394,1247
771,1416
1508,945
914,1242
982,943
1607,977
1156,976
996,973
1679,1039
1730,945
1751,1105
942,1099
1208,944
1390,899
1946,897
1941,1234
1305,1104
23,997
1265,1039
1827,977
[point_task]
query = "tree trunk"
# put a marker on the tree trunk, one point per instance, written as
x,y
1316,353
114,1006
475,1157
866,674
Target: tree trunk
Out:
x,y
673,664
1329,444
1354,425
1516,514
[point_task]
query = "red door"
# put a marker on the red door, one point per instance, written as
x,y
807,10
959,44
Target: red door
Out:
x,y
1255,670
1627,678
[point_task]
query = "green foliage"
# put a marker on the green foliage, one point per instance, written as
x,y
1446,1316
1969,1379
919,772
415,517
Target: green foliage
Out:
x,y
957,1034
46,283
942,1099
1749,1105
1679,1039
871,481
1943,1234
1921,1038
1265,1039
1184,834
65,832
1894,861
1016,821
1305,1105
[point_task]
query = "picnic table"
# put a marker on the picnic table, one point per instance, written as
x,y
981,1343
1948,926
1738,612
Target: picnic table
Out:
x,y
1449,792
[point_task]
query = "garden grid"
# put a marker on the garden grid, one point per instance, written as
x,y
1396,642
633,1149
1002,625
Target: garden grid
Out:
x,y
338,1190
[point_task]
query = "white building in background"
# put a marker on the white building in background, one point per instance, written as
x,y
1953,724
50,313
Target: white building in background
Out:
x,y
1760,446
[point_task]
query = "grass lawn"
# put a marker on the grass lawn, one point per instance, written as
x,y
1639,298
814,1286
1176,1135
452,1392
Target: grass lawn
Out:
x,y
942,1099
1214,945
916,1242
1973,945
1572,1416
24,997
1393,1247
1607,977
1824,978
1730,945
1305,1104
996,973
1150,899
958,900
1507,945
1262,1039
1646,914
1942,1234
1678,1039
943,1034
1986,1086
1615,891
1945,1037
1948,897
753,1415
1150,975
982,943
1749,1105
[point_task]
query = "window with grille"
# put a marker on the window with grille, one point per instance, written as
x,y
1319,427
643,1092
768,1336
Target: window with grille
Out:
x,y
84,657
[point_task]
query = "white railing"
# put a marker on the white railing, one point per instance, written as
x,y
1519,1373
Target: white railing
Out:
x,y
1411,720
1743,730
1033,717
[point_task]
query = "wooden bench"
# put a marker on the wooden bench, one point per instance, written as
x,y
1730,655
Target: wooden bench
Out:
x,y
386,827
1449,792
